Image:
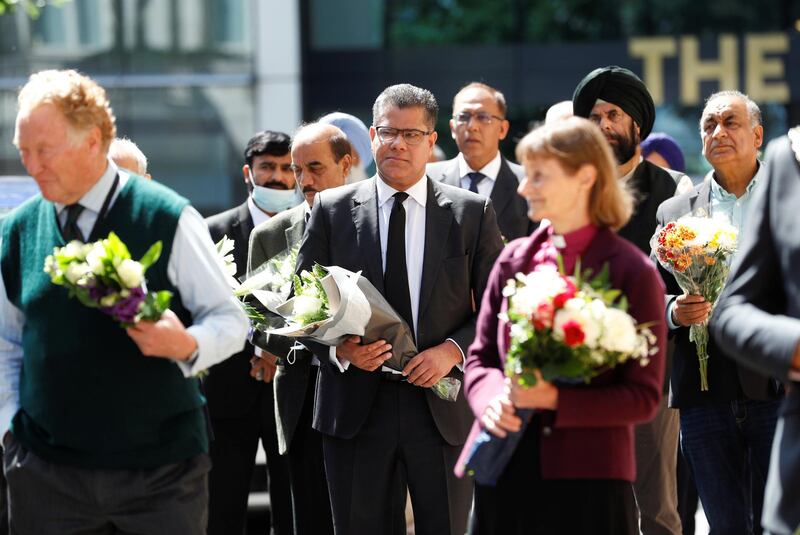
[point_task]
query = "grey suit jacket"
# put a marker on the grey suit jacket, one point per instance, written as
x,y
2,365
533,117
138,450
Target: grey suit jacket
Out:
x,y
758,319
267,240
511,209
462,241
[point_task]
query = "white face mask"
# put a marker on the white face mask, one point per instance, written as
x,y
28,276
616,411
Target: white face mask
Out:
x,y
357,174
274,201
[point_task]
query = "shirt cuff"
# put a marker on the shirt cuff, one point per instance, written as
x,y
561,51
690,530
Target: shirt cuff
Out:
x,y
342,365
258,351
187,366
670,323
460,365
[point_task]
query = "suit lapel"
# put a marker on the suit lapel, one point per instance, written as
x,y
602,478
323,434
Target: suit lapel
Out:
x,y
505,187
240,234
294,233
438,218
700,203
365,218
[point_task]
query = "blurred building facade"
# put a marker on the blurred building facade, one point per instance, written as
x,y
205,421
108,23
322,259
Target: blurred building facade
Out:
x,y
191,80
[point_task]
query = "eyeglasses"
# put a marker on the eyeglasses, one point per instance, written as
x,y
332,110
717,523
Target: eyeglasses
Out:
x,y
483,117
412,136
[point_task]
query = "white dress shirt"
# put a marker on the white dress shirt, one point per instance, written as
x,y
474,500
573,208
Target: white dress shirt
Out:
x,y
490,171
414,206
219,324
259,216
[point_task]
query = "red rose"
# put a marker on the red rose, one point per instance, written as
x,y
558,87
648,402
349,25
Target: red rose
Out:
x,y
573,333
566,295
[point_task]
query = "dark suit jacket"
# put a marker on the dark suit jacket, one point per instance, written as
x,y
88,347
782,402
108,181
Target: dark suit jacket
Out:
x,y
592,431
511,209
758,319
461,243
651,186
267,240
229,388
727,380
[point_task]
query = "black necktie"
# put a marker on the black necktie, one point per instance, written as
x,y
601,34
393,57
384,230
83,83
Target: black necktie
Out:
x,y
71,230
395,278
474,180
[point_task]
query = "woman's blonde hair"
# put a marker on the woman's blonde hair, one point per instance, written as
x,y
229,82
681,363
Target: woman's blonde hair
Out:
x,y
79,98
575,142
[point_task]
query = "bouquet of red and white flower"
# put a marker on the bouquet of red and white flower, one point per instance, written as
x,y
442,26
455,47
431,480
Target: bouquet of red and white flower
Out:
x,y
569,329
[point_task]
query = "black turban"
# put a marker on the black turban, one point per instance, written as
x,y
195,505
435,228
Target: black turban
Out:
x,y
618,86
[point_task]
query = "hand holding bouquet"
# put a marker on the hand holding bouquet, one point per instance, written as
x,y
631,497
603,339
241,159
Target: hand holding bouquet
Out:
x,y
332,303
697,250
566,330
103,275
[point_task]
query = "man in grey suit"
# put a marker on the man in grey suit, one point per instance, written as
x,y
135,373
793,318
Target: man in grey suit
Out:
x,y
437,244
240,398
757,320
478,125
321,159
726,430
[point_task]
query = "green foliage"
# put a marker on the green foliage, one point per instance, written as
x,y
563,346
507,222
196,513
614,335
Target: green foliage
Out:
x,y
152,255
155,304
32,7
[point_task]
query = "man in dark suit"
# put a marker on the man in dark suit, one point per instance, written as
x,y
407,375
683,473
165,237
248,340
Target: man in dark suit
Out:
x,y
240,399
478,125
438,244
321,159
726,431
620,104
757,320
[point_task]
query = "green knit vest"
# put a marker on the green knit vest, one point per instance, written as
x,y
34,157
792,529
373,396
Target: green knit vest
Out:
x,y
88,397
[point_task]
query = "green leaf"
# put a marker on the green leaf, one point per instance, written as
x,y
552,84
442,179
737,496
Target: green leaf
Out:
x,y
154,305
117,247
151,256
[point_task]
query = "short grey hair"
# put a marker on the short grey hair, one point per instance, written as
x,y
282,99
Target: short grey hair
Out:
x,y
752,108
125,147
406,96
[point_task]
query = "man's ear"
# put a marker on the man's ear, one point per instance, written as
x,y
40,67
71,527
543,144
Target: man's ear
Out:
x,y
246,174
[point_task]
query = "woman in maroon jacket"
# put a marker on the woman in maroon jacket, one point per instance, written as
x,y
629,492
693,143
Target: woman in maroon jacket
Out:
x,y
574,465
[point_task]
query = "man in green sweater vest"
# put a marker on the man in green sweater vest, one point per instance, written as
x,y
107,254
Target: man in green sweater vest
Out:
x,y
103,427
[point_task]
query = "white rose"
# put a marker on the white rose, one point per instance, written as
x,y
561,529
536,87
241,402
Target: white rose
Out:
x,y
306,304
619,332
95,258
130,273
76,271
74,249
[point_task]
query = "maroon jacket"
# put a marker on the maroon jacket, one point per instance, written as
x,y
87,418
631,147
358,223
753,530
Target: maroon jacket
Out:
x,y
590,435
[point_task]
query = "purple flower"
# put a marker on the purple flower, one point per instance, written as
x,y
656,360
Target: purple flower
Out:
x,y
126,309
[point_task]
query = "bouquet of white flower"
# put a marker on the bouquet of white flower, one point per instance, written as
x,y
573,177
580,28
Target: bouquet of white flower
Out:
x,y
332,303
103,275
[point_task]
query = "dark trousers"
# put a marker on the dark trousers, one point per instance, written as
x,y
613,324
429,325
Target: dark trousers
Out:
x,y
47,498
522,503
399,434
727,446
687,495
311,505
233,457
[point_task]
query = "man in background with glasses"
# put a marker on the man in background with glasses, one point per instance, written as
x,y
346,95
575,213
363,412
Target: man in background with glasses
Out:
x,y
478,125
428,248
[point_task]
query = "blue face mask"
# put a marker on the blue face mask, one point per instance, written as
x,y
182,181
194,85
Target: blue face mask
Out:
x,y
274,201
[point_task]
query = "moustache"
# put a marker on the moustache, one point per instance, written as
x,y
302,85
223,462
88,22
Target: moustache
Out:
x,y
309,189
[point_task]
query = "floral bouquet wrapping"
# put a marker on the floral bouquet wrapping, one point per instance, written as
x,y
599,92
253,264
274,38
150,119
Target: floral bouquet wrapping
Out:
x,y
697,250
270,283
570,329
102,275
332,303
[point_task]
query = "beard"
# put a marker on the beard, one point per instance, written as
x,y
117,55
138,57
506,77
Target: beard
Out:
x,y
625,146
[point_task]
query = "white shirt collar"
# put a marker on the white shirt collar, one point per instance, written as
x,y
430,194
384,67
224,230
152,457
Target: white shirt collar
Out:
x,y
256,213
418,192
94,198
490,170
